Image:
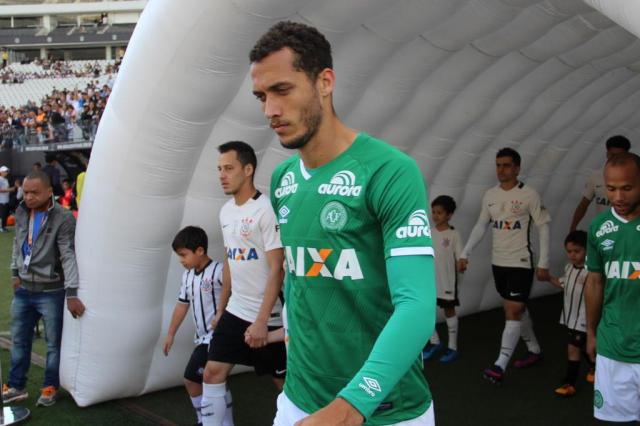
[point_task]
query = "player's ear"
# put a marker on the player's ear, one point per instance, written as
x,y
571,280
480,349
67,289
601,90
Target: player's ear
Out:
x,y
200,251
325,82
248,170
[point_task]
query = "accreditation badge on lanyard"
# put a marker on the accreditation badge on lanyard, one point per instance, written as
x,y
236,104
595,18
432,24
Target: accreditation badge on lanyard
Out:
x,y
32,219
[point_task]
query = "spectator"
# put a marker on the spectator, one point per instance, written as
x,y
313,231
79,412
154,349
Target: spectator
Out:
x,y
5,189
43,275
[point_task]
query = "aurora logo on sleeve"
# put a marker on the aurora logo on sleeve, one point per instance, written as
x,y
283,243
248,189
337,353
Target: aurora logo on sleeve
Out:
x,y
418,226
342,183
287,186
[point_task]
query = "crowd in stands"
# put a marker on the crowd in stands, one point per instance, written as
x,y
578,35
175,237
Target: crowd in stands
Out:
x,y
57,69
64,115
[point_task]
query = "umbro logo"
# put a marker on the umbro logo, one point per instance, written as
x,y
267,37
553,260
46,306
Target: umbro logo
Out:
x,y
370,386
288,185
607,244
283,212
342,183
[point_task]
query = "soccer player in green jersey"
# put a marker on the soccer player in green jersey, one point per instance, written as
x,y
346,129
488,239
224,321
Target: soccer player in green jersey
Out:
x,y
360,285
613,294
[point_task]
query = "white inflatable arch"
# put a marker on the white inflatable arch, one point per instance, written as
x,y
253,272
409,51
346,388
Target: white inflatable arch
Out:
x,y
447,81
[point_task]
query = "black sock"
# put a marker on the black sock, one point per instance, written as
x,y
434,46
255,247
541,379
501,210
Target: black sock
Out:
x,y
572,372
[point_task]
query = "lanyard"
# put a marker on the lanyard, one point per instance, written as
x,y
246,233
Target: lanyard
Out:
x,y
32,218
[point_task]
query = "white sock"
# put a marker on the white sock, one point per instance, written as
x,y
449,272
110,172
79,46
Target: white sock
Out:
x,y
213,405
197,401
510,337
228,414
435,339
452,326
527,333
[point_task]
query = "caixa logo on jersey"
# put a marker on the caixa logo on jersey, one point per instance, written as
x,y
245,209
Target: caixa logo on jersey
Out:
x,y
342,183
240,254
418,226
287,186
607,228
624,270
325,262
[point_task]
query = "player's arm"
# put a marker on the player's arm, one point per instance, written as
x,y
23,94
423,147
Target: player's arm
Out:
x,y
65,240
541,218
225,293
580,211
594,289
593,295
256,334
410,271
15,276
476,234
179,312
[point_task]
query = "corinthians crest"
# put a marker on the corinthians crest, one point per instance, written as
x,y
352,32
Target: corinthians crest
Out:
x,y
516,206
245,226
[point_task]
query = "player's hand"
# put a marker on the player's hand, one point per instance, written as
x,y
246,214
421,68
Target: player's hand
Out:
x,y
543,274
75,306
462,265
591,345
256,335
15,283
216,318
338,413
166,347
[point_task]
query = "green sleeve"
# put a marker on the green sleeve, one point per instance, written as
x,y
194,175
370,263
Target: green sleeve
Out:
x,y
412,286
594,260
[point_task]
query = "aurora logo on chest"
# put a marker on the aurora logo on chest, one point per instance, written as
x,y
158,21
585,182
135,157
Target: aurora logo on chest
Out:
x,y
287,186
342,183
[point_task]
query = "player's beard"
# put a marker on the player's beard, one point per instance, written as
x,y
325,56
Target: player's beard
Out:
x,y
311,117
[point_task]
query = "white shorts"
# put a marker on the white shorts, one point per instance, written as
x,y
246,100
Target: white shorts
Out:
x,y
616,390
288,414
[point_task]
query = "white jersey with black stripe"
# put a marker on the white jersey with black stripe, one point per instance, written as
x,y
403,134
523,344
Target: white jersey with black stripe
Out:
x,y
573,310
201,289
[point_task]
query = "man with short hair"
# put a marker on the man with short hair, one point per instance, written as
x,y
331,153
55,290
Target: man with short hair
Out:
x,y
594,188
612,294
44,274
360,288
250,305
510,207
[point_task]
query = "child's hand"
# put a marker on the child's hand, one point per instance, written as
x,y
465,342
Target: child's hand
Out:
x,y
556,282
462,265
166,347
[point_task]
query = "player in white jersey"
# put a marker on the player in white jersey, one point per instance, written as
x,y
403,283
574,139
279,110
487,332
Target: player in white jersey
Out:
x,y
594,188
574,315
511,208
200,291
250,304
448,246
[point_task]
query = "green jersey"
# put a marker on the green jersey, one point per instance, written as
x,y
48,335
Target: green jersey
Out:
x,y
339,223
613,250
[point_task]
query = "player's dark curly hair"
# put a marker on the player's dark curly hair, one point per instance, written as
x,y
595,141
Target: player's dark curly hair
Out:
x,y
576,237
510,152
618,141
312,50
446,202
190,237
